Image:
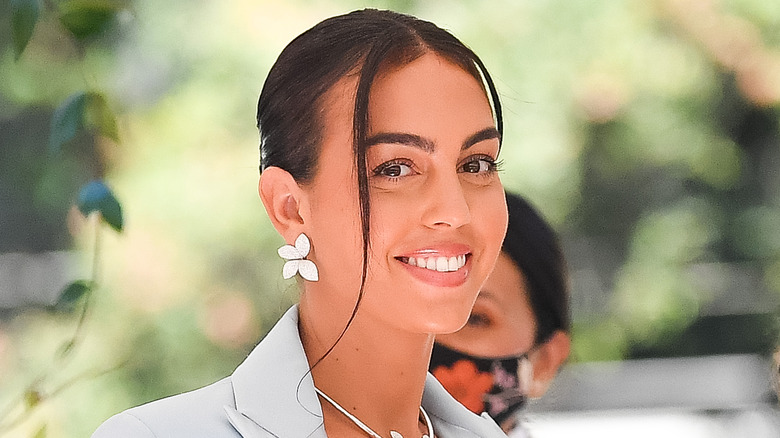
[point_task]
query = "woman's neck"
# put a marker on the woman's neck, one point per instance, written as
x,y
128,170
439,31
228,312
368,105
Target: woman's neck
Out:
x,y
376,371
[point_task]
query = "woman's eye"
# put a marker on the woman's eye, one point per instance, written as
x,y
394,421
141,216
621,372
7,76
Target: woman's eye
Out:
x,y
479,165
478,320
393,170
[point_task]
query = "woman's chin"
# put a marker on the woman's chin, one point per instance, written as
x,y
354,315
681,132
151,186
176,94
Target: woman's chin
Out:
x,y
445,323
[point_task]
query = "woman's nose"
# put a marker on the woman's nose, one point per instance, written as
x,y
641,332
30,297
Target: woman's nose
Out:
x,y
445,203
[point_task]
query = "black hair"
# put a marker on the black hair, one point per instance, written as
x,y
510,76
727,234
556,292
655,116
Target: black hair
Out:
x,y
534,248
364,43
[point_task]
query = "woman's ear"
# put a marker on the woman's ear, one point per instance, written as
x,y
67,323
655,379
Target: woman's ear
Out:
x,y
282,197
546,360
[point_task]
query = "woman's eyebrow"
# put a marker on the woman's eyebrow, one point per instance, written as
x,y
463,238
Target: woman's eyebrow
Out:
x,y
485,134
428,145
403,139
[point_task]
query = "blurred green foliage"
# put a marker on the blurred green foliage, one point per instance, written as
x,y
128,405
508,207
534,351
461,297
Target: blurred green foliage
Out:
x,y
647,132
24,15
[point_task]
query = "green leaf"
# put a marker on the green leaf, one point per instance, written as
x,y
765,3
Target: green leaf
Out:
x,y
96,196
67,119
24,15
72,294
85,18
99,117
81,109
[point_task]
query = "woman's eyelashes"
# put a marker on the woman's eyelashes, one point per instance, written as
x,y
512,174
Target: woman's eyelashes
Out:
x,y
479,320
394,169
480,165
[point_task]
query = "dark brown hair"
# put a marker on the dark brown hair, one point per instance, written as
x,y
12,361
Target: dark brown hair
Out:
x,y
534,248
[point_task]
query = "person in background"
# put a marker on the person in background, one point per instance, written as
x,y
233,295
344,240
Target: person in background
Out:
x,y
517,336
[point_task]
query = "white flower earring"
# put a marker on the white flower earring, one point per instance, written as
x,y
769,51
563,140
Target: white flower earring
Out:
x,y
296,259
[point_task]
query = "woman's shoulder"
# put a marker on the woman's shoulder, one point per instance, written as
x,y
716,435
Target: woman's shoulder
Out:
x,y
196,413
261,393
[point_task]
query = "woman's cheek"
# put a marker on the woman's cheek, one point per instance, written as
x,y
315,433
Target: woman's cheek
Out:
x,y
493,220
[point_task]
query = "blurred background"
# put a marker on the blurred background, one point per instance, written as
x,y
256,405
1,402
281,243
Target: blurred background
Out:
x,y
647,132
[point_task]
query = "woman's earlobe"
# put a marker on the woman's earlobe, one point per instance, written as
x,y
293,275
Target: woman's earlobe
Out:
x,y
281,197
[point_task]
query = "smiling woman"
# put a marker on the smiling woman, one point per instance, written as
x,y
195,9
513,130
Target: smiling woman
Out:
x,y
380,135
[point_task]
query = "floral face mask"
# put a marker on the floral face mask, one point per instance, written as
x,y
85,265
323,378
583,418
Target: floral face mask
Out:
x,y
498,386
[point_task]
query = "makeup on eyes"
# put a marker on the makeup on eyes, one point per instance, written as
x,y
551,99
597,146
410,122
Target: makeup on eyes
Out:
x,y
395,168
485,313
485,164
478,320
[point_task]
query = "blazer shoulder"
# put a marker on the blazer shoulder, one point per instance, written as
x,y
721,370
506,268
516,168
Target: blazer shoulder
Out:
x,y
123,425
198,413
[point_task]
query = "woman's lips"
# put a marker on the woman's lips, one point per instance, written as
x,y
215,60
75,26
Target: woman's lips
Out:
x,y
436,263
444,267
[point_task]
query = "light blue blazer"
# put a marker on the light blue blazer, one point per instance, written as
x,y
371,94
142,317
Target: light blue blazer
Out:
x,y
271,394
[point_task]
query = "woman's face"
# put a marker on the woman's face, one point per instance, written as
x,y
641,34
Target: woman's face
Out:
x,y
502,323
438,213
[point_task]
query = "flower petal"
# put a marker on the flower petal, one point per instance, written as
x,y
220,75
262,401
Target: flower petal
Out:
x,y
289,252
303,245
290,269
308,270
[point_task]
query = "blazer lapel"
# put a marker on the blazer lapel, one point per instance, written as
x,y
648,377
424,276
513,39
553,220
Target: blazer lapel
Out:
x,y
275,396
273,388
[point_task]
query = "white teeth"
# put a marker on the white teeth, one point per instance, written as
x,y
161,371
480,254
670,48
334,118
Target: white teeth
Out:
x,y
439,264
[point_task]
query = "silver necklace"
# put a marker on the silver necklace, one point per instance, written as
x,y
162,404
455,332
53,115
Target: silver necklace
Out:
x,y
368,430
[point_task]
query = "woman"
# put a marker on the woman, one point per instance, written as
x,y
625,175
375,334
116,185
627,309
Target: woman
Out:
x,y
518,333
379,139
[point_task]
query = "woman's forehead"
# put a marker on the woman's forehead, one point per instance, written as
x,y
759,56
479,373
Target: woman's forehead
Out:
x,y
430,94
